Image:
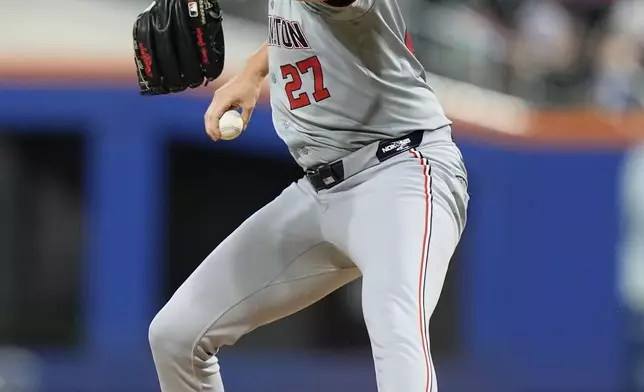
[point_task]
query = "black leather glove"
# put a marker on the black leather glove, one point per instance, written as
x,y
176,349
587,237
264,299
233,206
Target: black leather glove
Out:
x,y
178,44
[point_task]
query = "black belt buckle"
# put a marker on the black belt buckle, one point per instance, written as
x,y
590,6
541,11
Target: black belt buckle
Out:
x,y
326,176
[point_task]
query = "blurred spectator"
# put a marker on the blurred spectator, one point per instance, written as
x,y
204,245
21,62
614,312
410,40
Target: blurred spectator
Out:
x,y
541,50
619,81
545,52
465,42
627,18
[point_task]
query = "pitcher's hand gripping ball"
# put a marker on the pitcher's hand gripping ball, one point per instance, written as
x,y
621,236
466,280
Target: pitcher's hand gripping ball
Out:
x,y
178,44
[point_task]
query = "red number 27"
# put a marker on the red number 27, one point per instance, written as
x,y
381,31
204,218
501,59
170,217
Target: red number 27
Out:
x,y
293,73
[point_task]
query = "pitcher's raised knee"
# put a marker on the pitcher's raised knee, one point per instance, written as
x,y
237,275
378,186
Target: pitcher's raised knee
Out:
x,y
178,332
171,335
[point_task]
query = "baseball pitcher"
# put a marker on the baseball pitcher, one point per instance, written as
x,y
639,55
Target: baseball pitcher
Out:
x,y
383,195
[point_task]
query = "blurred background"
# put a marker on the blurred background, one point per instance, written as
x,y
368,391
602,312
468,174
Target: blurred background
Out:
x,y
109,200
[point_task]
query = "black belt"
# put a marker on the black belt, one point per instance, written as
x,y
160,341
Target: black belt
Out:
x,y
329,175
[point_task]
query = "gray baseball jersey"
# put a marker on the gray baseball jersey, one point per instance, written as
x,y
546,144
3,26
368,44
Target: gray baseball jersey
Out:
x,y
341,78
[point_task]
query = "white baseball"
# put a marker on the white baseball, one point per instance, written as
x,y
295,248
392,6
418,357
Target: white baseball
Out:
x,y
231,125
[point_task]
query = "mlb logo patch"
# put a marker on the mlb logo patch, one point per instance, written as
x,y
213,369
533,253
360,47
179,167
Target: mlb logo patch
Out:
x,y
193,9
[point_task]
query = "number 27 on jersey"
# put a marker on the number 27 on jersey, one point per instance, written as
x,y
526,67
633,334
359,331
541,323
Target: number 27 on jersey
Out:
x,y
293,74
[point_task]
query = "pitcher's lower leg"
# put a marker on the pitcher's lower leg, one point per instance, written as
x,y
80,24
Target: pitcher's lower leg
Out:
x,y
399,340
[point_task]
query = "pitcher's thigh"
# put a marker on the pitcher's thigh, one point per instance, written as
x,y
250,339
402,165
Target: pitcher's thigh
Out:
x,y
402,282
403,252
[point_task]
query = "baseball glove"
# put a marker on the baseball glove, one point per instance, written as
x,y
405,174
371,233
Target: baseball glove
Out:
x,y
178,44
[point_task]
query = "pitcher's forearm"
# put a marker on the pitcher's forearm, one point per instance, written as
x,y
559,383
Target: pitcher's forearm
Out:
x,y
257,63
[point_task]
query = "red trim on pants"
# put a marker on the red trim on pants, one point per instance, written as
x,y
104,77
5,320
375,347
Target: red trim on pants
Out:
x,y
427,233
